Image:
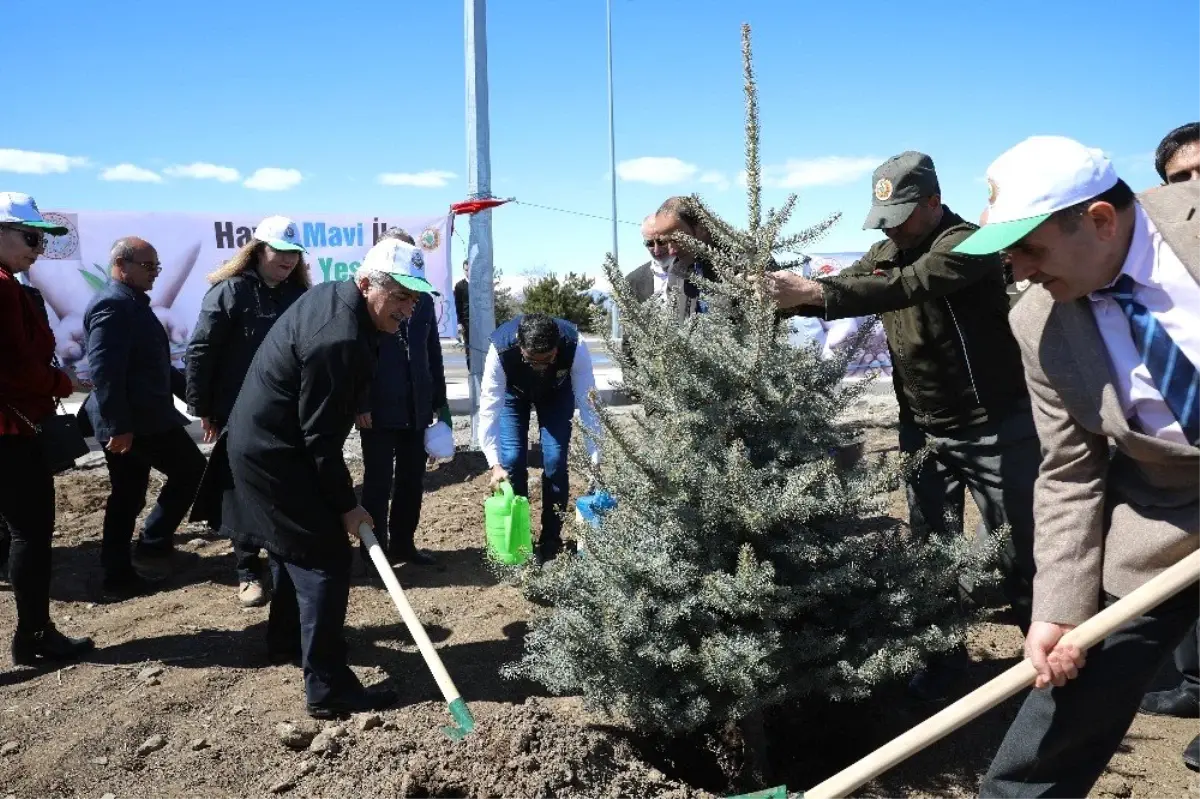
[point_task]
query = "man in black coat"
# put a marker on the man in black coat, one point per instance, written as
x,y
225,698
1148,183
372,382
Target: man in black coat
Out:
x,y
407,395
131,411
279,475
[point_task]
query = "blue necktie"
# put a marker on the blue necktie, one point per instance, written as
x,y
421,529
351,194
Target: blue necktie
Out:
x,y
1176,376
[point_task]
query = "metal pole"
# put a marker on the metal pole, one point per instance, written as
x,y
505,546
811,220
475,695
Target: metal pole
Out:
x,y
612,165
479,186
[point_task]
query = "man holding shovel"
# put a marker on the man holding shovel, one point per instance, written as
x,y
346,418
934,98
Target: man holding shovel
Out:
x,y
279,476
1110,338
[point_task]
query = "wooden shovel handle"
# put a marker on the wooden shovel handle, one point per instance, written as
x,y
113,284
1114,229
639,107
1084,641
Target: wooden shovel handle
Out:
x,y
1149,595
415,628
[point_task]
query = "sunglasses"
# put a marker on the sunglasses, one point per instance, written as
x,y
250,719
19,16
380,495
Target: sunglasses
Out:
x,y
33,239
650,244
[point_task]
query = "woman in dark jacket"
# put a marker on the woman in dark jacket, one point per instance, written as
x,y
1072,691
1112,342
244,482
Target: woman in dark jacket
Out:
x,y
29,384
248,294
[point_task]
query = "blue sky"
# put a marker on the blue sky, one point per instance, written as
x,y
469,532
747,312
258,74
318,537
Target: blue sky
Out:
x,y
329,98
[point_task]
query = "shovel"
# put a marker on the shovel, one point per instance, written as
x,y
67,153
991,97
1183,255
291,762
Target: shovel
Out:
x,y
464,722
1149,595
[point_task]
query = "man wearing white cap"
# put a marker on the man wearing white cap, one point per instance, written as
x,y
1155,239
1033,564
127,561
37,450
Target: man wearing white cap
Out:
x,y
1110,338
277,478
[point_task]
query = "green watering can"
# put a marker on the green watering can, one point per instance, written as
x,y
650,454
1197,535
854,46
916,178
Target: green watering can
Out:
x,y
506,522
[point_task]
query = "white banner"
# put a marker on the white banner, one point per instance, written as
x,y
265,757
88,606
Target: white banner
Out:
x,y
875,357
191,246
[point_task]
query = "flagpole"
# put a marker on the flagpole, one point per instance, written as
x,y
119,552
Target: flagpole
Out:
x,y
612,165
479,186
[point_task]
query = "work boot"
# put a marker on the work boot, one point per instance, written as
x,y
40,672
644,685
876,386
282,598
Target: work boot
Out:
x,y
1191,755
49,644
252,594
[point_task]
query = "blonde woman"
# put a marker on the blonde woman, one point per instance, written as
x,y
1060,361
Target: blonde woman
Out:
x,y
249,293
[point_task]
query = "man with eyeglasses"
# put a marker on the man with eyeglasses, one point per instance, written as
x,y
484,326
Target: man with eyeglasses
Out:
x,y
536,362
670,263
132,413
278,479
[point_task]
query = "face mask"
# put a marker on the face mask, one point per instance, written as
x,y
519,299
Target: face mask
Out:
x,y
663,265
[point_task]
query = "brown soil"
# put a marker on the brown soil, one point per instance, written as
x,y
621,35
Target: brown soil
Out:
x,y
78,729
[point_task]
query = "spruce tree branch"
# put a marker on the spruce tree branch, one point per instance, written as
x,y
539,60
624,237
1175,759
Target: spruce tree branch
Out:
x,y
753,158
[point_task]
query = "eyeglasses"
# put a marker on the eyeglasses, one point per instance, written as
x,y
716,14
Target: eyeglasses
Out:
x,y
542,359
652,243
149,266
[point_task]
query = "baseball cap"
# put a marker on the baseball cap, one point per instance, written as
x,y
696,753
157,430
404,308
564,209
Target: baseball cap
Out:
x,y
20,209
1028,183
279,233
899,184
402,261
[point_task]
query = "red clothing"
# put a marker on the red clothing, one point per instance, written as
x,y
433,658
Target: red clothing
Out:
x,y
28,381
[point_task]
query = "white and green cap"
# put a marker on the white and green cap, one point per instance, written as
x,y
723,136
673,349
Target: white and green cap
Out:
x,y
404,262
1027,184
279,233
20,209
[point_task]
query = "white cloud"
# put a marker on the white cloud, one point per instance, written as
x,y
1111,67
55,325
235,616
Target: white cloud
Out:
x,y
829,170
28,162
271,178
656,171
203,171
429,179
129,173
715,178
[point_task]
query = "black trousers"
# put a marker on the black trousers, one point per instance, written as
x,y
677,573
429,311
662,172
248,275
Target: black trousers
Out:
x,y
308,611
998,461
175,455
1187,662
27,509
249,565
394,466
1063,738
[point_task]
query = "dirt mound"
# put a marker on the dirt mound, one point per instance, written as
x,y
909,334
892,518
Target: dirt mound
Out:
x,y
527,750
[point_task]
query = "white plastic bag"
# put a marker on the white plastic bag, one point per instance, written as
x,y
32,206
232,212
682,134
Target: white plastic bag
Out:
x,y
439,441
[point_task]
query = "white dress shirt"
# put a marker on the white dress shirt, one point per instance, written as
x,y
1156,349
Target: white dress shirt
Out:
x,y
1164,287
493,386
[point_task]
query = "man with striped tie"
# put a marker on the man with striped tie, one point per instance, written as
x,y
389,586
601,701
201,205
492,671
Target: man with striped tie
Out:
x,y
1110,338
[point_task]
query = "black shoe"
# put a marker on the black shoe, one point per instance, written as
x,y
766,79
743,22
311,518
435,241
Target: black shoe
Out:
x,y
416,557
1191,755
129,585
48,644
363,701
1178,702
549,550
283,657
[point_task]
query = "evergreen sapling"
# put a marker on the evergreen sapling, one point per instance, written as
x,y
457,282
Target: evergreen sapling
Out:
x,y
743,567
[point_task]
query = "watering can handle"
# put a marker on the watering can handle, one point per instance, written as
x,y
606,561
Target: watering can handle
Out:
x,y
508,522
505,488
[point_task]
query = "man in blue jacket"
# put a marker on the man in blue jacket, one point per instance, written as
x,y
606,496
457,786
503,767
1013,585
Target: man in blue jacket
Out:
x,y
131,411
536,362
407,392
